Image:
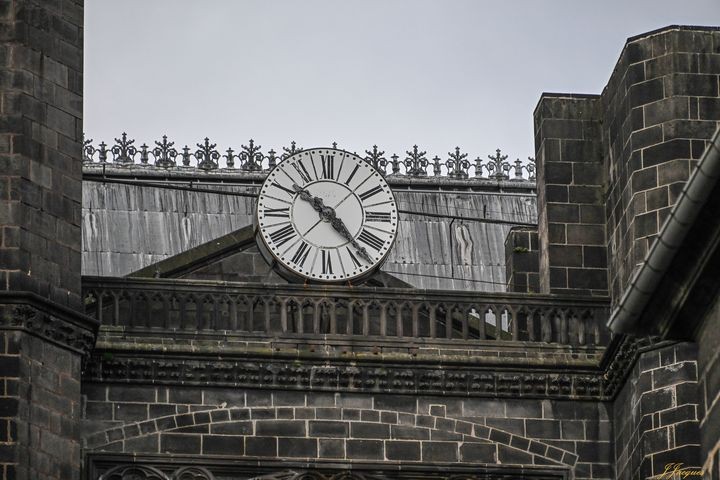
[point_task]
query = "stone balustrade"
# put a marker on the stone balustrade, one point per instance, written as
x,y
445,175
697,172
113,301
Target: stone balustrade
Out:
x,y
341,312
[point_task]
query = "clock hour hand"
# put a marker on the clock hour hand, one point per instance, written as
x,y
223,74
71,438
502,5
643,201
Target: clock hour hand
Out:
x,y
338,225
328,214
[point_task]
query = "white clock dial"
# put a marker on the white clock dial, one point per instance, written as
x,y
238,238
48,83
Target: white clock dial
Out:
x,y
326,215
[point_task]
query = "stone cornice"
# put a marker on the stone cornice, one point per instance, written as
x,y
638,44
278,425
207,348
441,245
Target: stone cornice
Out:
x,y
38,316
541,373
400,374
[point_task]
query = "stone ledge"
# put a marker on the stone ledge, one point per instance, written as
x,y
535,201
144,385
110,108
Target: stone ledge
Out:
x,y
31,313
381,376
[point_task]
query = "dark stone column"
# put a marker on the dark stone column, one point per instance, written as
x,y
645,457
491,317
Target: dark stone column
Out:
x,y
661,106
709,391
655,414
522,260
571,214
42,337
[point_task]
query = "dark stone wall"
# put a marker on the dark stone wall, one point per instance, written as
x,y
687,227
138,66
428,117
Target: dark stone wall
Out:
x,y
611,167
709,390
227,423
656,414
40,409
571,221
522,260
40,147
40,191
661,106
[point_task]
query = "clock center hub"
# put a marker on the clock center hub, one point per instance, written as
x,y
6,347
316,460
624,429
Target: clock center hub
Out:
x,y
338,202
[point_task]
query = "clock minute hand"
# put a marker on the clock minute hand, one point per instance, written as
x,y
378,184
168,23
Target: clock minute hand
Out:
x,y
328,214
339,225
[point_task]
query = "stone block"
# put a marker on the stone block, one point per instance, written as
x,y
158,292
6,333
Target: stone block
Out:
x,y
364,449
257,398
261,446
178,443
678,148
369,430
131,393
223,445
582,234
144,444
543,429
588,173
558,173
688,455
673,374
673,171
131,412
656,400
509,455
288,398
646,137
691,84
562,213
402,450
646,92
232,428
187,395
397,403
556,193
328,429
280,428
665,110
558,277
298,447
678,414
219,396
585,194
645,179
562,129
646,224
409,433
709,108
439,451
331,448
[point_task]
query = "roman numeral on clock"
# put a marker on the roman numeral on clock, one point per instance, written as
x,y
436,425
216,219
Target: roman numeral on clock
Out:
x,y
326,263
371,240
302,171
352,174
353,258
328,166
377,217
282,235
278,212
301,254
370,193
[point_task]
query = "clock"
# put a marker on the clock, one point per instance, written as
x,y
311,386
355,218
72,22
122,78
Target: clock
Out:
x,y
325,215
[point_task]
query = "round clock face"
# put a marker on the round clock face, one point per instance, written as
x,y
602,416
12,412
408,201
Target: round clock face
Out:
x,y
326,215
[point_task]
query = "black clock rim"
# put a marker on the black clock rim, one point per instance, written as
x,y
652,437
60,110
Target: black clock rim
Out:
x,y
291,275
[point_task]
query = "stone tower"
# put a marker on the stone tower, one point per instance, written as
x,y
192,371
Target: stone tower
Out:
x,y
42,336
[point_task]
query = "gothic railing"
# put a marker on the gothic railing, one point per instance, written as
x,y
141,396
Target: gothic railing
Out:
x,y
250,158
345,312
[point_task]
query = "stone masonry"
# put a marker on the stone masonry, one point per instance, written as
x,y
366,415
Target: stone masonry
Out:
x,y
661,105
656,413
571,180
41,339
356,427
522,260
638,141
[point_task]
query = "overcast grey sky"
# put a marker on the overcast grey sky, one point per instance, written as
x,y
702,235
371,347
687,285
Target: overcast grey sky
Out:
x,y
391,72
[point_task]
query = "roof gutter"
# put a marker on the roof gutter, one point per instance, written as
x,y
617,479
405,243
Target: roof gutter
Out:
x,y
626,316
